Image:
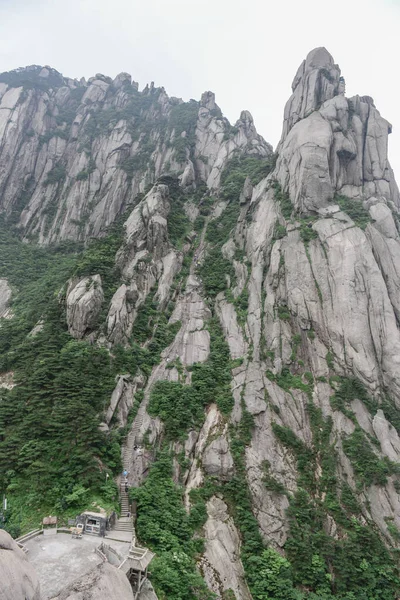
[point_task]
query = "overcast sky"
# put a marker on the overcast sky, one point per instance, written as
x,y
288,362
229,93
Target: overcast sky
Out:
x,y
247,52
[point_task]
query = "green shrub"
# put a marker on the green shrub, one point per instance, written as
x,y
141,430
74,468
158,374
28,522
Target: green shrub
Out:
x,y
82,175
269,480
283,313
329,360
354,209
368,467
181,407
56,175
284,201
31,79
279,231
307,233
214,272
296,341
238,169
350,389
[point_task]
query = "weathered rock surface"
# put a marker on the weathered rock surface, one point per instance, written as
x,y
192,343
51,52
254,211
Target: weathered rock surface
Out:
x,y
220,564
323,300
323,288
336,295
332,144
18,579
147,592
105,582
5,297
213,150
84,300
74,154
146,258
122,398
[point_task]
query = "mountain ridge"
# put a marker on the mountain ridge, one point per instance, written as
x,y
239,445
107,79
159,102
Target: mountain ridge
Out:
x,y
236,335
89,147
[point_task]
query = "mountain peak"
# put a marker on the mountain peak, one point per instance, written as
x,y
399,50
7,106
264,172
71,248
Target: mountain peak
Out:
x,y
331,144
317,80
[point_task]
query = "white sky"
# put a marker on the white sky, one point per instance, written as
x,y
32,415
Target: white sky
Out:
x,y
247,52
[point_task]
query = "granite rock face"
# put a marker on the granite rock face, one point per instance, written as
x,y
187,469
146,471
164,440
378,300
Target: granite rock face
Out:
x,y
84,300
105,581
332,144
322,305
74,154
311,300
5,297
18,579
221,563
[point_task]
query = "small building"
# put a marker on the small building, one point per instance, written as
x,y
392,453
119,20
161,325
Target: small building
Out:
x,y
135,567
94,523
49,525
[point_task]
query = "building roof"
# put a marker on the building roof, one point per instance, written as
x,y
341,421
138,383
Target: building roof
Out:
x,y
137,559
95,515
49,520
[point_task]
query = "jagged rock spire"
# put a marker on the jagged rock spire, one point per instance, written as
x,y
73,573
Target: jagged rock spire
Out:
x,y
332,144
317,79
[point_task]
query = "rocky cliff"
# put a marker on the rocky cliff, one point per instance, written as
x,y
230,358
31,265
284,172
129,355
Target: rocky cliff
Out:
x,y
253,325
74,154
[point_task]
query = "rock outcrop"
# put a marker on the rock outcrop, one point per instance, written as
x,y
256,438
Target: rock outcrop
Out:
x,y
145,258
84,300
18,578
221,565
5,298
332,144
105,581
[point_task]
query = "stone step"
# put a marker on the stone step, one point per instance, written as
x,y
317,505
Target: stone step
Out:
x,y
122,521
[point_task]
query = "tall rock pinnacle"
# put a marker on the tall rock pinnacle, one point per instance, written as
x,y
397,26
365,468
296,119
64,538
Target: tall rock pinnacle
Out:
x,y
332,144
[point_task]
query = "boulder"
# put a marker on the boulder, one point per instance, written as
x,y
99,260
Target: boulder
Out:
x,y
105,582
84,301
18,579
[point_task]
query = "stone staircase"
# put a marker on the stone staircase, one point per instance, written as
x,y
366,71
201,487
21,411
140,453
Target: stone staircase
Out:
x,y
134,437
124,523
131,438
124,501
